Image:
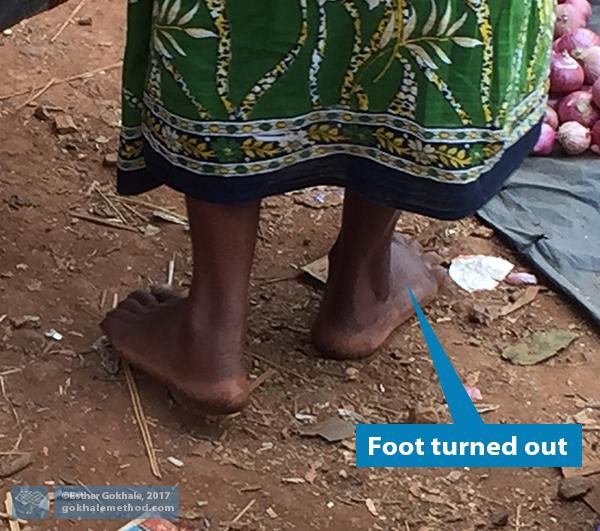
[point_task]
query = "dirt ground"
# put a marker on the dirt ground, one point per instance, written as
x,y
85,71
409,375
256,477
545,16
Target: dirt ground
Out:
x,y
59,403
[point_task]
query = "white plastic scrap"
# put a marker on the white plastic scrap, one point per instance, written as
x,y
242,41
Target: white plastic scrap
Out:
x,y
53,334
175,462
476,273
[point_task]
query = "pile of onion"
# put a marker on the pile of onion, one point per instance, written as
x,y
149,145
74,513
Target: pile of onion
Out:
x,y
573,114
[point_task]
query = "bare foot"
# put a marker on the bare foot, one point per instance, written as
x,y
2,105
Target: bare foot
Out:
x,y
195,356
361,309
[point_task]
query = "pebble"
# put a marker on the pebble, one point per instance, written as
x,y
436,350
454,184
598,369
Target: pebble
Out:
x,y
352,373
572,488
110,160
500,518
64,124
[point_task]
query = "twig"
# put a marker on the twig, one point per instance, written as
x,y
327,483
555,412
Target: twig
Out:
x,y
6,516
387,410
239,515
490,500
102,221
9,401
261,379
146,204
134,211
18,442
10,371
171,271
486,408
111,204
8,502
278,367
281,279
102,299
406,525
518,518
66,22
76,77
138,411
36,95
141,420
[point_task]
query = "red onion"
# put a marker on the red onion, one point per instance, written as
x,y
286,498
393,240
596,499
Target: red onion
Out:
x,y
554,100
583,6
551,118
596,138
591,63
574,138
545,143
578,107
568,18
566,74
596,93
576,41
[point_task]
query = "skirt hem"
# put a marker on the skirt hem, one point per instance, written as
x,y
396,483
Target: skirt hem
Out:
x,y
377,183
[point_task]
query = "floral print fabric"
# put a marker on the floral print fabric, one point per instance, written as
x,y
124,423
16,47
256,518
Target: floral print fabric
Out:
x,y
436,89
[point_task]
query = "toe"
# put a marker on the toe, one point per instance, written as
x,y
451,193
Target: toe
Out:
x,y
116,321
131,305
163,293
144,297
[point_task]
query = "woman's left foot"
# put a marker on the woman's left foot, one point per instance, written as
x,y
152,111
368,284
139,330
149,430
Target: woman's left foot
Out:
x,y
364,303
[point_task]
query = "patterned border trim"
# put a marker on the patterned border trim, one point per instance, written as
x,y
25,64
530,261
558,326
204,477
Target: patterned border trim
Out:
x,y
260,127
229,149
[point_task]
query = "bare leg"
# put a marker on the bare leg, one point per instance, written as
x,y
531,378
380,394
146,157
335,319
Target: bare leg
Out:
x,y
194,345
371,269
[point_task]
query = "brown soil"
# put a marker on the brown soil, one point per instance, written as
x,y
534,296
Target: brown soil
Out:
x,y
77,420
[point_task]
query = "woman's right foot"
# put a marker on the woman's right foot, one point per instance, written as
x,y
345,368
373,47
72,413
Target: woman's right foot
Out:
x,y
198,356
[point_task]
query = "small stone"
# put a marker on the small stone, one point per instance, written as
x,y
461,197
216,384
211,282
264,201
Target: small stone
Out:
x,y
150,230
482,232
34,285
64,124
85,21
26,320
10,466
371,506
426,415
41,113
311,475
454,476
110,160
573,488
500,518
352,373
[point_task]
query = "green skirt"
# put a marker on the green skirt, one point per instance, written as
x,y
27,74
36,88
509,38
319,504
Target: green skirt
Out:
x,y
425,105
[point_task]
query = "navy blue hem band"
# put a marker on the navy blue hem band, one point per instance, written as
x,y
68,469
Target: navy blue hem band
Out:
x,y
377,183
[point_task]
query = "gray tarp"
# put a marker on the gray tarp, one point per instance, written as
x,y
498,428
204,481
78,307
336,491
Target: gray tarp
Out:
x,y
550,211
